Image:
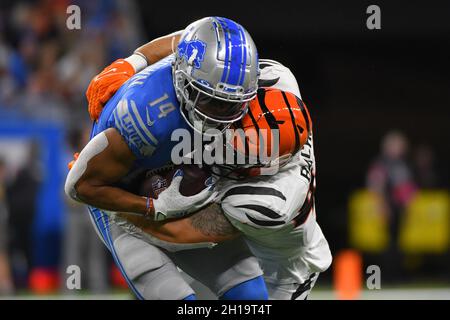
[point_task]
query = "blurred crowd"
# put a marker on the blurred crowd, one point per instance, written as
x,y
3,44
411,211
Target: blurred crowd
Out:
x,y
44,71
45,67
398,175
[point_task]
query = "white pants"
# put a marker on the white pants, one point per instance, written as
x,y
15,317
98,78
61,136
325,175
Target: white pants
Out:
x,y
151,271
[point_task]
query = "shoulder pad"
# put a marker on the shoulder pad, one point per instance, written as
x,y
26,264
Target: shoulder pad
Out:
x,y
277,76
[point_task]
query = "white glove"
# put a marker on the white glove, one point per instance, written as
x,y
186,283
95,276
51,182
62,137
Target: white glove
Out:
x,y
172,204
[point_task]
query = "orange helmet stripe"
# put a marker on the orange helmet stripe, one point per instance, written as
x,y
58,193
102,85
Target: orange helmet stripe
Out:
x,y
294,127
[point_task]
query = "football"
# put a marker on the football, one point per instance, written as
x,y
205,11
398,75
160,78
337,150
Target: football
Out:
x,y
193,181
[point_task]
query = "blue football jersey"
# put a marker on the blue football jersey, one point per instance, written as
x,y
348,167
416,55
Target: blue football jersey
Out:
x,y
145,111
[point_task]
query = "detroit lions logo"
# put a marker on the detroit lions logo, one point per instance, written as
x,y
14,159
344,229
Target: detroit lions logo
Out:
x,y
193,51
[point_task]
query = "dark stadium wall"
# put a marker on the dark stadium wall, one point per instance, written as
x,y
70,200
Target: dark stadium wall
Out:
x,y
358,83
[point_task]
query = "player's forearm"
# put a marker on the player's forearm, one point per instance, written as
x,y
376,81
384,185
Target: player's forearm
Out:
x,y
160,48
112,199
153,51
207,225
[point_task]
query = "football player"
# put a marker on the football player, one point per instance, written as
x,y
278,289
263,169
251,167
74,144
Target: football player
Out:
x,y
206,84
275,213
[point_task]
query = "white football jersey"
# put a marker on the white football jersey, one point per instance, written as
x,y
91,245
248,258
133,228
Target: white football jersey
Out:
x,y
276,213
275,75
277,216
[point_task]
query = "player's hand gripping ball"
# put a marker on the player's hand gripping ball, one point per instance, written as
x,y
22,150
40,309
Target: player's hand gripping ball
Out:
x,y
179,191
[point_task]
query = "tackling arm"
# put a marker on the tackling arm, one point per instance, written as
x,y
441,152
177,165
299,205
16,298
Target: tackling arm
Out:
x,y
104,85
159,48
207,225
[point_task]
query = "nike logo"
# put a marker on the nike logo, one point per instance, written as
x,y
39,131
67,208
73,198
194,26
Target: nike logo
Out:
x,y
149,120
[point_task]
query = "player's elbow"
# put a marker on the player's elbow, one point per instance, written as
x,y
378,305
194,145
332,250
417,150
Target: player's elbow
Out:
x,y
69,187
83,191
77,188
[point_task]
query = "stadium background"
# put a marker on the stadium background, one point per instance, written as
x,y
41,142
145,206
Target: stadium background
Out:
x,y
372,94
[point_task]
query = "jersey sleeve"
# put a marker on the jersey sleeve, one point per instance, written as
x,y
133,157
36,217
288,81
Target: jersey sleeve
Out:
x,y
131,121
256,205
265,205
